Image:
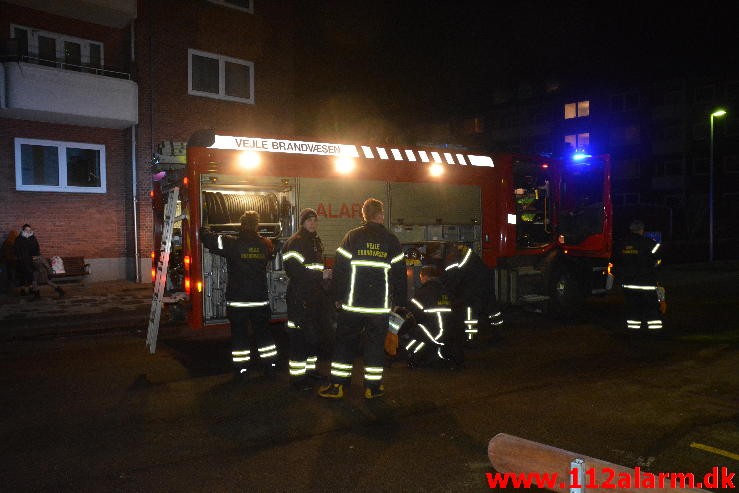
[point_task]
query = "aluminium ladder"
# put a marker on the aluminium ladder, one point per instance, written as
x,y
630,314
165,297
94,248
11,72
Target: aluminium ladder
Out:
x,y
161,273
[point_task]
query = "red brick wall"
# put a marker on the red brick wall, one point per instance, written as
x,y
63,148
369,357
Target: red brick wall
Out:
x,y
165,30
101,225
89,224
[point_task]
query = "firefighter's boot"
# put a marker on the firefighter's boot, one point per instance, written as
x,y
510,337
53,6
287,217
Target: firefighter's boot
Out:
x,y
374,392
332,391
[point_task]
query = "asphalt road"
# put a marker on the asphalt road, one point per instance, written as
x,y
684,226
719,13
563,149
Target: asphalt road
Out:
x,y
99,413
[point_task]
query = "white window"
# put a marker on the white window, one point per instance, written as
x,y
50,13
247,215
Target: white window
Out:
x,y
58,50
245,5
577,110
52,166
220,77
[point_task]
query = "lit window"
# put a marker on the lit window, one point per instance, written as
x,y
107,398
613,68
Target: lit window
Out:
x,y
570,111
578,141
51,166
577,110
220,77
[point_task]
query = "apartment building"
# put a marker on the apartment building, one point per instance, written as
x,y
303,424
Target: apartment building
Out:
x,y
92,91
658,135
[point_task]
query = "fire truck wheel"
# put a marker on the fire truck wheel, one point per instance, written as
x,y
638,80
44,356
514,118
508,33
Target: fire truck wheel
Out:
x,y
565,294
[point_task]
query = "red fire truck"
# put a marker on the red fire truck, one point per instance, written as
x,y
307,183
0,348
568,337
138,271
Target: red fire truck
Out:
x,y
542,225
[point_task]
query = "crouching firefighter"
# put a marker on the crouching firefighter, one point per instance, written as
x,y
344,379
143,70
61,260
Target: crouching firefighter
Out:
x,y
636,259
247,300
369,275
470,285
432,310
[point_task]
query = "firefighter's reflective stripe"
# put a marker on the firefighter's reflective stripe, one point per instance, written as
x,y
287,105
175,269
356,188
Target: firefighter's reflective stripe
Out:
x,y
471,324
496,318
297,368
268,351
460,264
417,303
656,247
633,324
654,324
341,370
349,306
344,253
397,258
246,304
241,356
431,337
437,310
466,258
293,254
220,242
640,287
373,373
292,325
310,363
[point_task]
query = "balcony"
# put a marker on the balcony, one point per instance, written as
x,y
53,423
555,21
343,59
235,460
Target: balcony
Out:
x,y
111,13
86,96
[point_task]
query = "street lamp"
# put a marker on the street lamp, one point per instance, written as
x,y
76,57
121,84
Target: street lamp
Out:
x,y
715,114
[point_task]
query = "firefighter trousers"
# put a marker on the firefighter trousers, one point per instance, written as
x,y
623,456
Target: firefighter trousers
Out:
x,y
349,330
249,328
303,336
642,309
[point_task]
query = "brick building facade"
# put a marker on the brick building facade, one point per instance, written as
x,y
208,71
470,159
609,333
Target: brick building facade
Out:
x,y
91,89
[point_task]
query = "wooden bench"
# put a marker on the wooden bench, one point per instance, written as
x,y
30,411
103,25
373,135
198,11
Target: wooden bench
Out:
x,y
75,270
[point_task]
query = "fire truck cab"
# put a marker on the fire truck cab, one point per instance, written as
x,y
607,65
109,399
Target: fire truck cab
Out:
x,y
541,225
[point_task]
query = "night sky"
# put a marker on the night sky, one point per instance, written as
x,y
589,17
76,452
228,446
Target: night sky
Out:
x,y
409,60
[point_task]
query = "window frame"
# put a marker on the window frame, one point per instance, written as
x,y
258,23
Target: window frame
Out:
x,y
579,109
33,34
61,146
222,60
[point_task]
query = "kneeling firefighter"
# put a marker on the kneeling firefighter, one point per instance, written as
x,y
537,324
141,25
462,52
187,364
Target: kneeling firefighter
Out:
x,y
432,310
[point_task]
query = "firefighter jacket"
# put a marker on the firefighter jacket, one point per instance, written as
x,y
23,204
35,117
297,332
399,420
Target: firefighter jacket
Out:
x,y
432,307
302,257
246,256
369,271
468,279
635,260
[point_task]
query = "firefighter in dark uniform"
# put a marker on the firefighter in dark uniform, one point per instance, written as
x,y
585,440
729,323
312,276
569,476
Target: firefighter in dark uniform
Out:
x,y
635,261
369,276
247,299
431,307
470,284
303,260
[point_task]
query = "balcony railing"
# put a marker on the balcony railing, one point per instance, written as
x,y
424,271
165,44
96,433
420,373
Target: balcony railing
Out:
x,y
86,68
